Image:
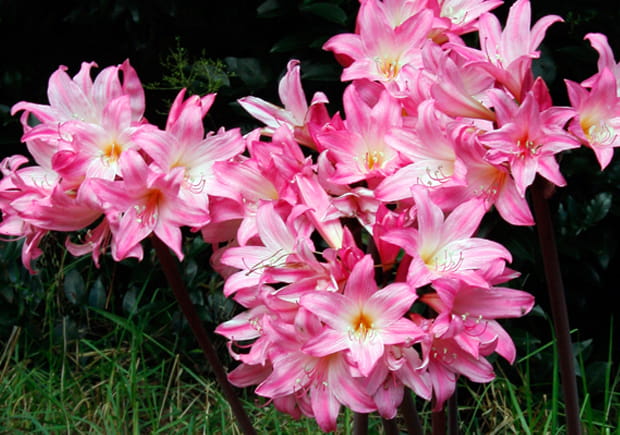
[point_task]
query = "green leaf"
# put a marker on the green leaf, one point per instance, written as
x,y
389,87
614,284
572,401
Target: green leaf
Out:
x,y
66,329
269,9
291,43
597,374
191,270
130,301
97,295
8,294
597,209
250,70
328,11
321,72
74,287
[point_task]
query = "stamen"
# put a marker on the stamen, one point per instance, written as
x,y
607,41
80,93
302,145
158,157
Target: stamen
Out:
x,y
195,186
527,148
111,153
277,259
362,328
373,160
388,67
600,133
448,263
456,15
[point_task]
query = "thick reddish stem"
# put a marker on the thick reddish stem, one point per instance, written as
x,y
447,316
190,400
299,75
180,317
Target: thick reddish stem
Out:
x,y
438,421
453,414
559,311
175,281
390,427
360,424
410,415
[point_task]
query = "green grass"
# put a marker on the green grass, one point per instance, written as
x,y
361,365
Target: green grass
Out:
x,y
125,368
117,390
140,386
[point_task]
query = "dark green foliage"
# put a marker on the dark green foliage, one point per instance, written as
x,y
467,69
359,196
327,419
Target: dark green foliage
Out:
x,y
20,292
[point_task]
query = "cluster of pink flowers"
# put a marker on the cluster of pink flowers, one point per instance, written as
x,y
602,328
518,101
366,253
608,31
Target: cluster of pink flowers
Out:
x,y
104,173
349,239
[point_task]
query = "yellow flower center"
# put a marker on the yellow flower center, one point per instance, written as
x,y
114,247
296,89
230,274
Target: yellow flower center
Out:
x,y
374,159
598,132
362,326
112,152
148,212
388,67
527,148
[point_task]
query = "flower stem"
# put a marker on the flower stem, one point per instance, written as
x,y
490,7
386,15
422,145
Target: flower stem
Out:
x,y
390,427
360,424
175,281
410,415
559,311
438,422
453,414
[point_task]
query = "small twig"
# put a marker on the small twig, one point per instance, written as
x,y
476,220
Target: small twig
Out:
x,y
9,348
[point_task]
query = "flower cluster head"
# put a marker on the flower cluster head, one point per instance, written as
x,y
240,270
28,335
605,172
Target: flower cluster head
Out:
x,y
105,174
349,240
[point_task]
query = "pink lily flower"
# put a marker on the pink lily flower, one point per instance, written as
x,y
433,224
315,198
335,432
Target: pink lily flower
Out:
x,y
490,182
360,150
395,12
460,87
242,184
436,166
320,385
34,202
381,52
401,366
528,138
447,361
363,320
597,120
606,59
474,310
145,201
508,54
81,99
12,224
184,145
296,115
35,194
94,150
320,209
444,246
283,247
90,123
95,242
462,15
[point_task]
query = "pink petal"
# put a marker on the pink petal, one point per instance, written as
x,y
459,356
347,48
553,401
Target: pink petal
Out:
x,y
361,283
291,93
325,407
